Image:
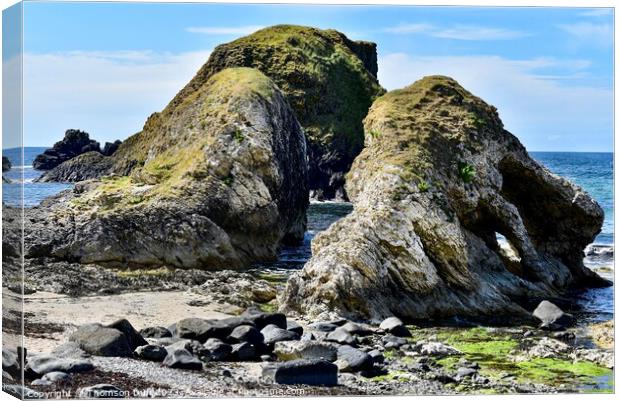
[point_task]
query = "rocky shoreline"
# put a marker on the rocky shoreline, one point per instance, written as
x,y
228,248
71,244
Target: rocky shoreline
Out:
x,y
454,273
258,353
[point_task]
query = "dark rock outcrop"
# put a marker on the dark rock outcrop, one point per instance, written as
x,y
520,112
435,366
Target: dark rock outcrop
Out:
x,y
6,164
223,184
83,167
438,180
110,147
73,144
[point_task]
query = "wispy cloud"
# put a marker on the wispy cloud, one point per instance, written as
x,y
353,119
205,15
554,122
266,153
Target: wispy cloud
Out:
x,y
533,105
224,30
410,28
597,12
589,33
458,32
108,94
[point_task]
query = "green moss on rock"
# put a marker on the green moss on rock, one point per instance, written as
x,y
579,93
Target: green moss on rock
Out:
x,y
329,80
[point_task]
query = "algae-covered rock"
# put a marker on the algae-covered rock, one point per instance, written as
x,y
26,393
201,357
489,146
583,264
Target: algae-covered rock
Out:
x,y
329,80
222,183
439,178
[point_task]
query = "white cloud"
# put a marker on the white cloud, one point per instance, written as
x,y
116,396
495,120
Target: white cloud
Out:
x,y
589,33
229,30
108,94
532,106
458,32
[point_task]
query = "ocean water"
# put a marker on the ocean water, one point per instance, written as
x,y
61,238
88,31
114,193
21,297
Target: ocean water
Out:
x,y
594,172
33,192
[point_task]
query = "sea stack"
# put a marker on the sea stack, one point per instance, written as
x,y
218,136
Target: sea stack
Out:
x,y
438,180
222,184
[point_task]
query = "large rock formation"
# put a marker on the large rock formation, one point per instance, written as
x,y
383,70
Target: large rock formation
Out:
x,y
222,184
74,143
439,178
329,80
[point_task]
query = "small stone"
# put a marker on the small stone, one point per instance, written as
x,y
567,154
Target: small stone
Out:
x,y
435,349
243,352
218,350
246,334
295,327
357,329
397,341
465,372
395,326
341,336
377,356
291,350
151,352
323,327
182,359
552,317
57,377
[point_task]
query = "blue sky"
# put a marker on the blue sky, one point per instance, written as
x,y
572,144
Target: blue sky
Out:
x,y
104,67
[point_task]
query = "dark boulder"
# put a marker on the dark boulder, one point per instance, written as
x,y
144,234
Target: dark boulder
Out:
x,y
341,336
100,340
395,326
353,360
155,332
151,352
273,334
246,333
312,372
134,338
203,329
262,319
243,352
182,359
218,349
